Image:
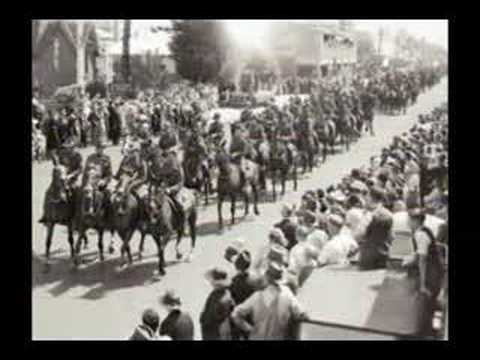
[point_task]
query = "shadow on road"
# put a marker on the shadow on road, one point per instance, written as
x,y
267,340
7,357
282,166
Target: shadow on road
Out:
x,y
99,277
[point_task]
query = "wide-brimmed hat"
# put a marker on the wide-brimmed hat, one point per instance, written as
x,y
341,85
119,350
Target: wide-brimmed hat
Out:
x,y
358,186
287,209
276,236
336,219
217,277
243,260
151,318
277,253
171,298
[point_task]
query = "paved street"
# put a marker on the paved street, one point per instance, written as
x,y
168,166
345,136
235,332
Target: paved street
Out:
x,y
100,302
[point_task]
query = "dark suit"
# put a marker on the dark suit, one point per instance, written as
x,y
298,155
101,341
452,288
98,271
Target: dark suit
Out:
x,y
374,249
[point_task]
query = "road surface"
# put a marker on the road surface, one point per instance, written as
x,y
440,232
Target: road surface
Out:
x,y
100,302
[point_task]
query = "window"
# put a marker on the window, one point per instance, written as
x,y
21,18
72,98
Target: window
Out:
x,y
56,54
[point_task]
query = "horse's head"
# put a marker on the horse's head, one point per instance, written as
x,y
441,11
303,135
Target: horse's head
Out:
x,y
119,200
88,200
155,203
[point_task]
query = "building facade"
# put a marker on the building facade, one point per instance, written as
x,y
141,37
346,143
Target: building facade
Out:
x,y
303,49
63,53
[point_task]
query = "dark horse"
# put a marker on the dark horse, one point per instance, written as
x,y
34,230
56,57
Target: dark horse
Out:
x,y
91,213
125,217
326,134
162,221
230,183
307,146
58,208
347,129
195,166
282,161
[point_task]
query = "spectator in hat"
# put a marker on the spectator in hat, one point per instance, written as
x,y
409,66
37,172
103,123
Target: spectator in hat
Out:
x,y
178,324
342,244
274,310
426,264
218,306
302,261
242,287
147,330
375,245
313,235
275,239
288,226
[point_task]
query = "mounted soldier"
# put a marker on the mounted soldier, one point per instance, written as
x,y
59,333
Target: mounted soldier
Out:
x,y
216,130
132,172
98,171
165,170
71,159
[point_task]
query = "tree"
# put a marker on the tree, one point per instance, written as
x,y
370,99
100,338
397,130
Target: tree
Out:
x,y
199,48
127,32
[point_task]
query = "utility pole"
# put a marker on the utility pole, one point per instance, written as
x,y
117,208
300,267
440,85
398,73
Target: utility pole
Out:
x,y
381,34
126,50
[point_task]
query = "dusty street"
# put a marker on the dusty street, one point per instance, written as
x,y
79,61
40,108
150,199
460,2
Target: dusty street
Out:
x,y
100,302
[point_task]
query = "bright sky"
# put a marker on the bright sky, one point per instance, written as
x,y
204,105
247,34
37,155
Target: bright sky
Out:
x,y
249,31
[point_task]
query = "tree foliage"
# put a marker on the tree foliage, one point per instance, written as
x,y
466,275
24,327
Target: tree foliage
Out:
x,y
199,48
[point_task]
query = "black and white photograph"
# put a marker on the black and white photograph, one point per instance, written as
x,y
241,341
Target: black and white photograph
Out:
x,y
239,179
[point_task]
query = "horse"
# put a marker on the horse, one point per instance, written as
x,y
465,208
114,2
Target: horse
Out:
x,y
195,165
162,221
91,213
346,129
326,134
230,184
125,217
262,158
307,146
282,161
58,208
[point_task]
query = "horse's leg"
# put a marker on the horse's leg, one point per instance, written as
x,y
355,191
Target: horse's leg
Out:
x,y
274,192
128,237
295,177
142,242
219,211
180,231
78,246
70,240
100,244
48,242
192,224
161,259
163,243
255,199
111,248
205,190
